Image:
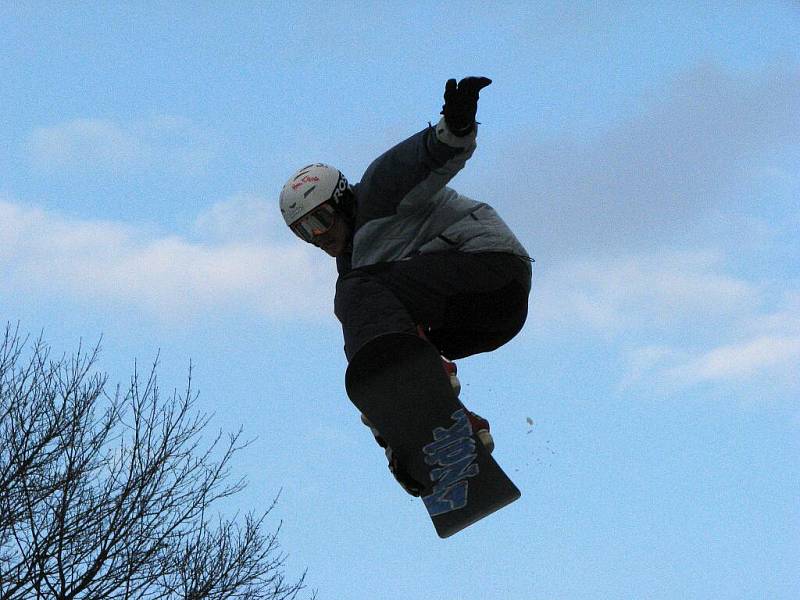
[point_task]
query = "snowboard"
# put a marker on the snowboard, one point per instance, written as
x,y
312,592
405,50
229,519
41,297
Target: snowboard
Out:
x,y
397,381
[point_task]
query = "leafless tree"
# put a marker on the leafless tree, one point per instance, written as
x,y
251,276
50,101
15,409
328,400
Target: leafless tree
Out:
x,y
109,495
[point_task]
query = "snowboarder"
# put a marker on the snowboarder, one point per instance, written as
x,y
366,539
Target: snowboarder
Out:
x,y
414,255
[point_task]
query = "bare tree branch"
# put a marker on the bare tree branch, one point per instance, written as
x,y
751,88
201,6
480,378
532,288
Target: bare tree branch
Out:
x,y
108,496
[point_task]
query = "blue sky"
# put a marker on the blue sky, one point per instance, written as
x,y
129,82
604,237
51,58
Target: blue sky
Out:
x,y
647,156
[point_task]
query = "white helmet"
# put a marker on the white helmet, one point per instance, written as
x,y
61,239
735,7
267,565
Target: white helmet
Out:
x,y
310,187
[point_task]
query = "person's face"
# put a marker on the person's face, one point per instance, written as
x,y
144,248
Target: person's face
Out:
x,y
334,241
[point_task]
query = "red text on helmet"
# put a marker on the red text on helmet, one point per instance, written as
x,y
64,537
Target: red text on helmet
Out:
x,y
305,179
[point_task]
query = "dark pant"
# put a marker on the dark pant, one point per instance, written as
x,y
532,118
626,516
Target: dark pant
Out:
x,y
470,303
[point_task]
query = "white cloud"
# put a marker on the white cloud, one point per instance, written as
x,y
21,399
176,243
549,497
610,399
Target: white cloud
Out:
x,y
785,320
678,317
241,217
765,346
763,350
706,163
764,362
742,360
653,291
652,176
89,145
100,263
93,140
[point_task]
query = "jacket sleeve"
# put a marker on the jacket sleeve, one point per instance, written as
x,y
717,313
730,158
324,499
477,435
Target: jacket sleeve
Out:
x,y
404,178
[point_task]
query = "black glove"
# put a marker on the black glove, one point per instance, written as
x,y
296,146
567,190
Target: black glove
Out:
x,y
461,103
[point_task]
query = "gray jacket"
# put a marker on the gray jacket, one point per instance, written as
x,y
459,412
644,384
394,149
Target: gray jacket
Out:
x,y
403,206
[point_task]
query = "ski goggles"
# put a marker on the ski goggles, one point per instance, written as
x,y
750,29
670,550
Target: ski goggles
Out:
x,y
318,221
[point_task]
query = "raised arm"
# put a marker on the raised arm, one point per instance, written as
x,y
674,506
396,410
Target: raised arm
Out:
x,y
406,176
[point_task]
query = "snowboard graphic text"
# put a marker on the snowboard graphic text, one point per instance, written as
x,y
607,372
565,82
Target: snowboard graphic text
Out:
x,y
453,453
